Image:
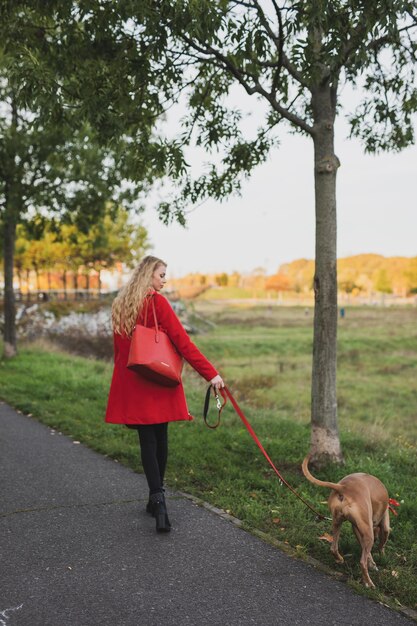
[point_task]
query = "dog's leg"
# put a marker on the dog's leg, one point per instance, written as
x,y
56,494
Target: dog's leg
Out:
x,y
365,534
371,562
384,531
334,548
368,541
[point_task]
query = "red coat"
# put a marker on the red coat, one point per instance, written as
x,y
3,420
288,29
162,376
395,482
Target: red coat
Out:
x,y
136,400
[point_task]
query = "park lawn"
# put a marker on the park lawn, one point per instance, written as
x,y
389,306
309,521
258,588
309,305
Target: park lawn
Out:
x,y
264,354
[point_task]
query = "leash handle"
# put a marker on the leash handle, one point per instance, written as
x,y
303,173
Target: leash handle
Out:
x,y
219,405
226,394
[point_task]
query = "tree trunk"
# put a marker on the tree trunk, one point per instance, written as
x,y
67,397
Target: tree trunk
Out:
x,y
38,279
28,298
9,335
64,283
325,443
19,279
12,208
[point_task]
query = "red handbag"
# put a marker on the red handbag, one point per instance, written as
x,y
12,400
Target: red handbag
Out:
x,y
153,355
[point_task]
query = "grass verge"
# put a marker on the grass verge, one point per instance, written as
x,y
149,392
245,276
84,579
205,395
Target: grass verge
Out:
x,y
224,467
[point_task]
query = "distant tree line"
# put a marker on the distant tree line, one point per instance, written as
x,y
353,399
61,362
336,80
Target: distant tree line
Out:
x,y
361,274
48,252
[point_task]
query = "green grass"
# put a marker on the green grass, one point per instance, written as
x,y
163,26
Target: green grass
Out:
x,y
265,356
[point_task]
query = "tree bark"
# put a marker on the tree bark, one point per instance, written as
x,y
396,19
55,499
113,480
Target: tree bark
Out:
x,y
12,207
38,278
64,283
28,295
9,335
19,279
325,443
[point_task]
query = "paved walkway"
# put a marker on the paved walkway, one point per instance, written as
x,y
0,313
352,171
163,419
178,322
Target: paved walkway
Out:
x,y
78,549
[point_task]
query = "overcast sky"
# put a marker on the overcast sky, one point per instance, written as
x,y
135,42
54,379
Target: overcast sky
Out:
x,y
273,220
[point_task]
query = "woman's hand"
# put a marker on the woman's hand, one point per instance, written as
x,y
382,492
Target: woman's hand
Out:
x,y
217,382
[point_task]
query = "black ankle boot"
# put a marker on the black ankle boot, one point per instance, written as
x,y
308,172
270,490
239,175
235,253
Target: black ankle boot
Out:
x,y
149,506
160,513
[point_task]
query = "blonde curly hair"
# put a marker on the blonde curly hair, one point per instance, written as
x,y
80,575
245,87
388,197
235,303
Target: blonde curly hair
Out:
x,y
129,300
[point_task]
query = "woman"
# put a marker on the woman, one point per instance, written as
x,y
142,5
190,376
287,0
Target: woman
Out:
x,y
138,402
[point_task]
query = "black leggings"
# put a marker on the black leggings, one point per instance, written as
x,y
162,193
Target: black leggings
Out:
x,y
153,439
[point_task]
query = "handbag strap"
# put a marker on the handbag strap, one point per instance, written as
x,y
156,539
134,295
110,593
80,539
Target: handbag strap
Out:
x,y
145,320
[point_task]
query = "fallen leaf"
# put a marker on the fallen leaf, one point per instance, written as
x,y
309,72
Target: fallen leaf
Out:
x,y
326,537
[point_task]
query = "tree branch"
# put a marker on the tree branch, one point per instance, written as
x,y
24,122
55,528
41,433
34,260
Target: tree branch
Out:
x,y
244,4
376,44
266,25
239,75
286,63
210,51
359,33
277,39
280,49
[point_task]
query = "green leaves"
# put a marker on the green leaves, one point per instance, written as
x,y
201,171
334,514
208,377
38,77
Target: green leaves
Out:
x,y
119,68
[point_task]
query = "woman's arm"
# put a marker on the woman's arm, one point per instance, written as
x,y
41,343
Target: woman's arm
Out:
x,y
171,324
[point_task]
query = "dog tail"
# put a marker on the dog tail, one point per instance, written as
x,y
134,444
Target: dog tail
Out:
x,y
316,481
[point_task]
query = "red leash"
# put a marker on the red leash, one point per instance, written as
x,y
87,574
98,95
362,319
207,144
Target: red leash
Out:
x,y
226,394
392,503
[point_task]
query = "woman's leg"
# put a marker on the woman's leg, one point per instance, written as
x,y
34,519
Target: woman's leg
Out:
x,y
161,432
148,450
154,450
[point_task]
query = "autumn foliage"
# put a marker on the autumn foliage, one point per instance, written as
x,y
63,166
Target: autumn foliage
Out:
x,y
363,274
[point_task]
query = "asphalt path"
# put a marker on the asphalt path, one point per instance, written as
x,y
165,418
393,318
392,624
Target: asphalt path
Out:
x,y
78,549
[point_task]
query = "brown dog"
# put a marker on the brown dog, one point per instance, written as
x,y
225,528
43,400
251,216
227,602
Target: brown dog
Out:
x,y
362,500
